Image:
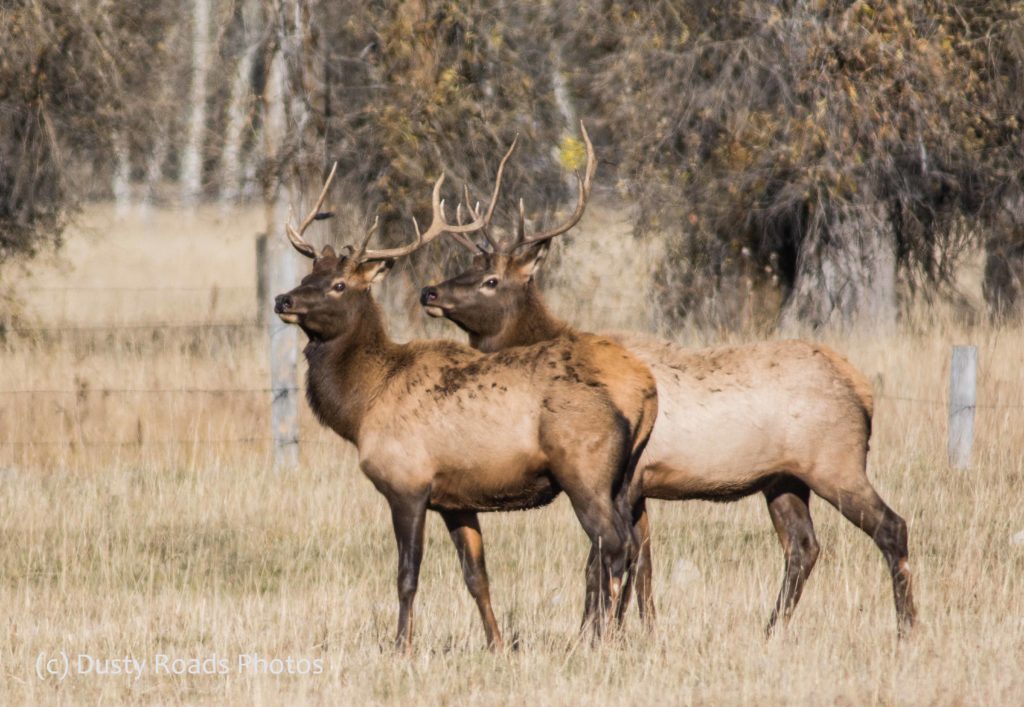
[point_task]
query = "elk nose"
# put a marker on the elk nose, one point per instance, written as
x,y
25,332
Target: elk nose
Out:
x,y
282,303
428,295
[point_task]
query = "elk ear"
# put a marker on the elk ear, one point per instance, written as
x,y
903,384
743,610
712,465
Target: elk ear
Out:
x,y
328,252
375,270
531,259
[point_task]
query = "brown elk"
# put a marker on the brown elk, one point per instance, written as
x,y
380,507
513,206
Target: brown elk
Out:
x,y
783,418
442,427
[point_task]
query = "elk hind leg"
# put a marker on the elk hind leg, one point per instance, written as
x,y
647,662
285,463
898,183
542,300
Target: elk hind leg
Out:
x,y
858,501
640,573
608,558
787,505
464,529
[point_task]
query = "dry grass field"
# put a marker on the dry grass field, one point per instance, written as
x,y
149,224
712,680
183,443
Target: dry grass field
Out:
x,y
139,521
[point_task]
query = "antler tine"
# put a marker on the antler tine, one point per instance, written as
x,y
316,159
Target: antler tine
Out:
x,y
486,228
437,227
439,224
366,240
461,238
497,180
494,196
296,236
521,227
585,184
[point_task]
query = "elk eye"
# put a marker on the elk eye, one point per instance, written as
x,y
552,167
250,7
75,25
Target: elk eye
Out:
x,y
339,287
491,283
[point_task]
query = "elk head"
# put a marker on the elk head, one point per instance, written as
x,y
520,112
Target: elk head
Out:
x,y
331,300
482,299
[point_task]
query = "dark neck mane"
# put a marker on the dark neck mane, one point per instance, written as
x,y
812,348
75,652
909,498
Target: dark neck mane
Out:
x,y
347,372
533,324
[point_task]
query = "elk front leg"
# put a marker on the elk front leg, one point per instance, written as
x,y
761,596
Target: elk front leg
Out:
x,y
464,529
408,516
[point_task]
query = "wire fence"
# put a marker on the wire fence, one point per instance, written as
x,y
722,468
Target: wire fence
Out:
x,y
945,403
134,327
61,294
83,392
137,289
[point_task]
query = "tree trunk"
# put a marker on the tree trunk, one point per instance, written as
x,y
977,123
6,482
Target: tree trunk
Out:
x,y
192,159
568,112
122,181
1003,286
845,270
240,106
155,165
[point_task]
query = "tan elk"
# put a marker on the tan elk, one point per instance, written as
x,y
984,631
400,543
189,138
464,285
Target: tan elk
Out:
x,y
441,427
780,418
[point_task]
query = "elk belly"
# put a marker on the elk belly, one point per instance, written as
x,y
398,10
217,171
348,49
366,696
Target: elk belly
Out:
x,y
508,483
713,445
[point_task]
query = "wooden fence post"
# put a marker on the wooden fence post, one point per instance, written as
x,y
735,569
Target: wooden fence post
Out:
x,y
263,311
282,269
284,411
963,379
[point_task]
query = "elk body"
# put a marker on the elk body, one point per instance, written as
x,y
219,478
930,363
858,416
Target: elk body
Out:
x,y
778,418
441,427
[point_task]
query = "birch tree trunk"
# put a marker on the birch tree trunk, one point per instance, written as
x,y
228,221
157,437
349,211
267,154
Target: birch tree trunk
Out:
x,y
1003,284
846,270
122,184
563,100
240,105
155,165
192,159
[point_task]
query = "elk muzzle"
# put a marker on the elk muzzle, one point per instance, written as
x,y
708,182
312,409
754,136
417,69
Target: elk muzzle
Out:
x,y
428,298
283,305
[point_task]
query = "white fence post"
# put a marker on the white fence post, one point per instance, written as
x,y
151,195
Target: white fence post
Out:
x,y
963,379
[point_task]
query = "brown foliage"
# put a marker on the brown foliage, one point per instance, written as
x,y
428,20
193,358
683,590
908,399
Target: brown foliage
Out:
x,y
70,79
770,118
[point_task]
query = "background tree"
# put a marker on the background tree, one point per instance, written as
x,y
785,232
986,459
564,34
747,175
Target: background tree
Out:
x,y
834,143
72,92
841,156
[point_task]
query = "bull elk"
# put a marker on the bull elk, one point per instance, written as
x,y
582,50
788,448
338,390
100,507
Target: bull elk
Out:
x,y
781,418
443,427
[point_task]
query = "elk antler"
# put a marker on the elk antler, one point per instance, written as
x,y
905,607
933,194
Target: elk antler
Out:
x,y
585,183
315,215
485,220
462,238
439,223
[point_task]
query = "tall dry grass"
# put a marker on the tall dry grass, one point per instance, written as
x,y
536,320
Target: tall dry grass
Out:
x,y
127,531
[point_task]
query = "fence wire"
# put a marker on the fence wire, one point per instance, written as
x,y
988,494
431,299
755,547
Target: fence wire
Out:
x,y
83,392
202,441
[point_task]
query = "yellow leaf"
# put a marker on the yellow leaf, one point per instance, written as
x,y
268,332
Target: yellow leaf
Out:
x,y
571,153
